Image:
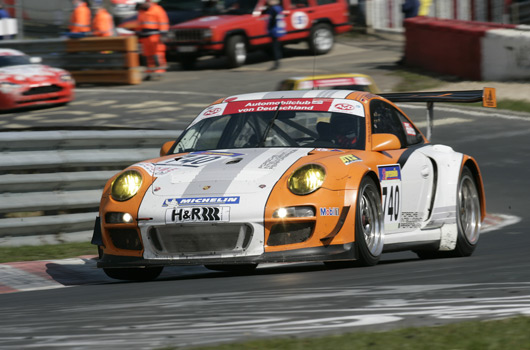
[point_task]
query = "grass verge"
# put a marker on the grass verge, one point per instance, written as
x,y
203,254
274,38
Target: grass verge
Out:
x,y
46,252
504,334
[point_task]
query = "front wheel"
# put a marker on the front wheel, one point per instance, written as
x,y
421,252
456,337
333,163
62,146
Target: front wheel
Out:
x,y
321,39
134,273
369,232
236,51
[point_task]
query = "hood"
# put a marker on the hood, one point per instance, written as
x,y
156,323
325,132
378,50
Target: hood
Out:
x,y
212,21
28,73
223,172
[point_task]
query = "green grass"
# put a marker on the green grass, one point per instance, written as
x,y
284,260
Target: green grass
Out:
x,y
504,334
46,252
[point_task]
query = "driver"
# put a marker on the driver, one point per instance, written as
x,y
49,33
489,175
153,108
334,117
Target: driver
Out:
x,y
344,130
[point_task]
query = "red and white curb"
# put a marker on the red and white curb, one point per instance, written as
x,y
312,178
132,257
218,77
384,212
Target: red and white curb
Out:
x,y
48,274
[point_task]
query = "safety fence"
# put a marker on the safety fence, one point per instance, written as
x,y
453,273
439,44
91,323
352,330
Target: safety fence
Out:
x,y
51,181
109,60
386,15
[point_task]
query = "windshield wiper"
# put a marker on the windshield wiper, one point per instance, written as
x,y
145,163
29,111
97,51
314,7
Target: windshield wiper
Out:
x,y
269,126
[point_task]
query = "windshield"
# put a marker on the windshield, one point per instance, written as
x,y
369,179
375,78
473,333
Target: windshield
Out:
x,y
6,61
229,7
288,129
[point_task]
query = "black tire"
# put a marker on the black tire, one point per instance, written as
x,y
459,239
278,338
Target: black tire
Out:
x,y
236,268
187,62
236,51
321,39
369,224
134,273
468,219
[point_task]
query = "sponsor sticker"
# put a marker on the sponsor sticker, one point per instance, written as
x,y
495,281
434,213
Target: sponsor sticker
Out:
x,y
174,202
409,129
390,177
198,214
334,211
299,20
347,106
348,159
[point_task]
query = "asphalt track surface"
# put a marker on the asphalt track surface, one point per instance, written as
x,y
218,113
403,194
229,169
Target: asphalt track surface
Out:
x,y
69,304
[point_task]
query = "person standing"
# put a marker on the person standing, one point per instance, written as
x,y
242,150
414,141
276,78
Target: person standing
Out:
x,y
103,23
163,27
150,38
275,29
410,8
80,18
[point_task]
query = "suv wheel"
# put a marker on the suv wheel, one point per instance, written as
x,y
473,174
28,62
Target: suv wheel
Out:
x,y
236,51
321,39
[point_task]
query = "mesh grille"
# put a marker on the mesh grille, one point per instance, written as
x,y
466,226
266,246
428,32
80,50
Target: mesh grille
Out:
x,y
188,35
42,90
202,239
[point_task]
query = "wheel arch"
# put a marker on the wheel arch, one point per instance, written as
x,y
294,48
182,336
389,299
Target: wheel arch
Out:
x,y
235,32
472,165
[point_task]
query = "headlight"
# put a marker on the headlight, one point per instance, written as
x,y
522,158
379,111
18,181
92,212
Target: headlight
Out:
x,y
126,185
307,179
7,86
66,77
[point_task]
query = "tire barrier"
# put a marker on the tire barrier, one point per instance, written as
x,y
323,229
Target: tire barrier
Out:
x,y
51,181
467,49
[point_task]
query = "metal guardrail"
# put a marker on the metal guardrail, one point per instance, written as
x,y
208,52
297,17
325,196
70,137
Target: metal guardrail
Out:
x,y
51,181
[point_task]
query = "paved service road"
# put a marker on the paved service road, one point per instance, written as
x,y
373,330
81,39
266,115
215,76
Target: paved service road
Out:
x,y
192,306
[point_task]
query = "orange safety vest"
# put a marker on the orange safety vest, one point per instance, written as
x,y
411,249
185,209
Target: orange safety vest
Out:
x,y
80,19
103,24
148,20
163,20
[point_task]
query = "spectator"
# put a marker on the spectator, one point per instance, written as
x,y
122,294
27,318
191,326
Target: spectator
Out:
x,y
103,23
276,29
80,18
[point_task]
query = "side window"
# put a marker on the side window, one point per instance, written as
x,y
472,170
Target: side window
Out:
x,y
412,134
326,2
385,120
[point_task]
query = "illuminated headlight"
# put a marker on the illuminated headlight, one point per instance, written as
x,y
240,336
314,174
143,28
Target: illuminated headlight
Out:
x,y
294,212
126,185
118,218
307,179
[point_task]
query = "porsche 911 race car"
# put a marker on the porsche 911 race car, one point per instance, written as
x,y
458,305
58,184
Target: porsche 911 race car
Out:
x,y
292,176
24,83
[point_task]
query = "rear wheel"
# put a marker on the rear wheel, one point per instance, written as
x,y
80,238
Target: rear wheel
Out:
x,y
236,51
468,219
321,39
134,273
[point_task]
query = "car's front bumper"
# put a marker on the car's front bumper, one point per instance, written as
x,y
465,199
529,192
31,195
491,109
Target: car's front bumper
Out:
x,y
328,253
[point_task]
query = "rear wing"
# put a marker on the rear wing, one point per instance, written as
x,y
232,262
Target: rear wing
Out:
x,y
486,96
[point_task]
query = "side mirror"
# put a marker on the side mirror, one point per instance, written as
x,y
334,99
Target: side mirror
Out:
x,y
166,147
385,142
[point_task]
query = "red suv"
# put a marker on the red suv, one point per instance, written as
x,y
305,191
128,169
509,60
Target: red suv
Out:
x,y
231,28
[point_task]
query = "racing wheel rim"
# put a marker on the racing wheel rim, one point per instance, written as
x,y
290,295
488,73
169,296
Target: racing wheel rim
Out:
x,y
469,209
370,217
323,39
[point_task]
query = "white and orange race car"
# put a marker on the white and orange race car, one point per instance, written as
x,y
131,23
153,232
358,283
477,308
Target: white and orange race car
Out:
x,y
26,83
289,176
